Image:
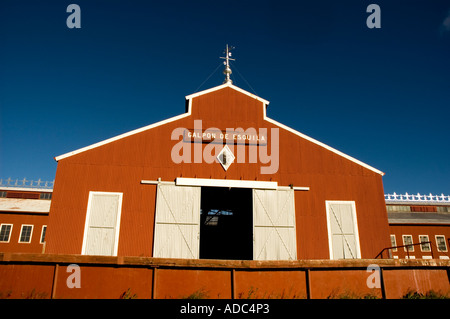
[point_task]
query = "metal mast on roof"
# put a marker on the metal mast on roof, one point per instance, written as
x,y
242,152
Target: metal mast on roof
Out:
x,y
227,70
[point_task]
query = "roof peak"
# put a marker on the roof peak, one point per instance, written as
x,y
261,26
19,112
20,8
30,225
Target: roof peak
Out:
x,y
225,85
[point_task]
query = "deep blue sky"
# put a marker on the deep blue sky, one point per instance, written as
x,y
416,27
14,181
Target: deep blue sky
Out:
x,y
379,95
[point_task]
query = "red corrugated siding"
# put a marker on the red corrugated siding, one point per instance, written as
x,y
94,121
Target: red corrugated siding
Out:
x,y
121,165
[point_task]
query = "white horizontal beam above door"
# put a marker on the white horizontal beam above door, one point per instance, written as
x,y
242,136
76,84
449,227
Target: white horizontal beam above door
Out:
x,y
156,182
182,181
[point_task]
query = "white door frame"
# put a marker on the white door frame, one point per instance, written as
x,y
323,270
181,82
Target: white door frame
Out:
x,y
355,225
88,216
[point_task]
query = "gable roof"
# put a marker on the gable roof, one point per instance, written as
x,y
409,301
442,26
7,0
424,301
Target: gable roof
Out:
x,y
172,119
234,87
188,113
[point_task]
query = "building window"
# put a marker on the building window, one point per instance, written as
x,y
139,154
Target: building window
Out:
x,y
393,242
44,230
398,208
407,240
2,194
440,243
5,233
45,196
26,233
424,239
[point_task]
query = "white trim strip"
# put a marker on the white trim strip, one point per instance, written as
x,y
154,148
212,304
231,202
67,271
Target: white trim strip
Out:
x,y
300,188
149,182
139,130
156,182
295,188
182,181
27,189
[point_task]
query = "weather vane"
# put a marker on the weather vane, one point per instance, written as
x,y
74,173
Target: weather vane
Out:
x,y
227,58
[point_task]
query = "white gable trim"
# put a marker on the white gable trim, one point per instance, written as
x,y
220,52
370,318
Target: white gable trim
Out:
x,y
191,96
321,144
172,119
139,130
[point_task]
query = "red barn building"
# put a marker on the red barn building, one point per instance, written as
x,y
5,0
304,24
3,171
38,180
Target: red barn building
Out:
x,y
221,181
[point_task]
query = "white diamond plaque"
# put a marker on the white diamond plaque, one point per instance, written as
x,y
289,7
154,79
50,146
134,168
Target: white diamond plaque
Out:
x,y
225,157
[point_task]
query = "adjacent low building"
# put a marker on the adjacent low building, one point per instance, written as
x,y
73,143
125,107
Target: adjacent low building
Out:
x,y
24,218
420,224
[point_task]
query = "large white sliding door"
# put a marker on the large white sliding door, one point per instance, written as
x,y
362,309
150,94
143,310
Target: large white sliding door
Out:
x,y
101,233
343,237
177,225
274,225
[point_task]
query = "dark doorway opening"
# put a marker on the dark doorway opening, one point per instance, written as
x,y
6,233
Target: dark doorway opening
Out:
x,y
226,223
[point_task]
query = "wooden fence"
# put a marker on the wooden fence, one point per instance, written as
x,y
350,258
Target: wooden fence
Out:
x,y
75,276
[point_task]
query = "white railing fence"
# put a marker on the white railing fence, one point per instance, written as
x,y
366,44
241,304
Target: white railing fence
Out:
x,y
417,198
25,183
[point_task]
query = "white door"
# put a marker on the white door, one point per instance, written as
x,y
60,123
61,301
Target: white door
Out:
x,y
101,232
342,230
177,224
274,225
